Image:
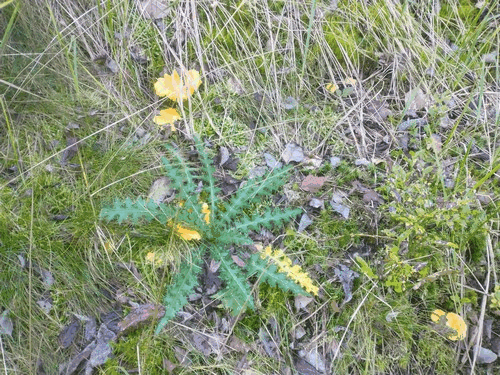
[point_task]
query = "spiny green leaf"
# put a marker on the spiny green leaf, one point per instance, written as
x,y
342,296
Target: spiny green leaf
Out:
x,y
229,225
190,213
237,293
266,220
268,273
233,237
136,210
252,191
183,285
181,175
208,176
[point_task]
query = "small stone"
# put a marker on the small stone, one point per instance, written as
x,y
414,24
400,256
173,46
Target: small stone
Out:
x,y
313,163
46,306
293,152
72,125
341,209
317,203
334,161
271,162
407,124
449,183
140,132
112,66
300,332
153,9
223,155
489,58
90,330
290,103
314,358
160,190
362,161
257,172
68,334
6,325
305,221
486,356
392,315
301,302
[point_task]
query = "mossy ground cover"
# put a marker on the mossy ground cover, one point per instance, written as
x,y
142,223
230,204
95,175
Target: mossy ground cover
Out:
x,y
415,123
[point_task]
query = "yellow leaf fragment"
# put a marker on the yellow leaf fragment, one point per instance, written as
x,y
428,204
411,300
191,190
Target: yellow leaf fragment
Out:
x,y
187,234
206,211
167,117
178,87
456,323
350,81
154,259
436,315
332,87
293,272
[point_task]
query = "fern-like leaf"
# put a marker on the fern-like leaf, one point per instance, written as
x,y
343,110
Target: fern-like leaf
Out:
x,y
252,191
232,237
183,285
180,175
237,294
267,272
269,217
191,213
207,176
136,210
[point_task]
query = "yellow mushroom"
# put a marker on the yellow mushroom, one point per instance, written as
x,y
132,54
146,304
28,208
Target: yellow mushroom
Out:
x,y
453,321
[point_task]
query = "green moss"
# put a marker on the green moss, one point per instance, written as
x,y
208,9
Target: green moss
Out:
x,y
273,301
139,346
276,6
383,333
435,352
344,173
339,232
465,10
226,128
248,327
344,39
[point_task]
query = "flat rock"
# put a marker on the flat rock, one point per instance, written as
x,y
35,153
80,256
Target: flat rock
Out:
x,y
293,152
486,356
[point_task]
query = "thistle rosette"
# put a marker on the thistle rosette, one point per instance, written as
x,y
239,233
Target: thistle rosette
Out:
x,y
213,225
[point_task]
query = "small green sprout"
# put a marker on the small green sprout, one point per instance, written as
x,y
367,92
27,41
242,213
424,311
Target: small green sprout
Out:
x,y
495,298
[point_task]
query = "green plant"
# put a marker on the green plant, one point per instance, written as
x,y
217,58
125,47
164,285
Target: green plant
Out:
x,y
397,272
430,223
216,225
495,298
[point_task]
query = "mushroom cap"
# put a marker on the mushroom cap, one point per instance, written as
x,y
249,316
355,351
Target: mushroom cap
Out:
x,y
455,323
436,315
